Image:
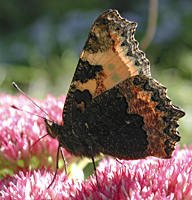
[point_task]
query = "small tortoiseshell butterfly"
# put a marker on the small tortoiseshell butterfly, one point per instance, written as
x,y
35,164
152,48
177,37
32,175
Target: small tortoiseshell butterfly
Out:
x,y
113,105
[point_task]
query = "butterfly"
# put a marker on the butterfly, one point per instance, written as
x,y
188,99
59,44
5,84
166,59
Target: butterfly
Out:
x,y
113,105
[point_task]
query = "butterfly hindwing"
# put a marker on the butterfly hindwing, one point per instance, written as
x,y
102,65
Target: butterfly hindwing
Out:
x,y
126,121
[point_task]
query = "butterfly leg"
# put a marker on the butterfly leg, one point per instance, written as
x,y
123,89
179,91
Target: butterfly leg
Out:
x,y
57,167
65,162
119,161
93,161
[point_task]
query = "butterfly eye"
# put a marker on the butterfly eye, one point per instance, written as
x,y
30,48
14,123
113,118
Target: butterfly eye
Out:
x,y
50,128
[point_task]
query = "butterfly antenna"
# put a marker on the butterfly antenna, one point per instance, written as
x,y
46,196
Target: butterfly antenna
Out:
x,y
15,85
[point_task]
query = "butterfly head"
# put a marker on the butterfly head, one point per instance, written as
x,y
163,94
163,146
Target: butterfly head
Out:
x,y
52,128
59,132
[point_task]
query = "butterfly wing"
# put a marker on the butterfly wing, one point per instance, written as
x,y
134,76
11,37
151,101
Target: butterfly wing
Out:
x,y
113,104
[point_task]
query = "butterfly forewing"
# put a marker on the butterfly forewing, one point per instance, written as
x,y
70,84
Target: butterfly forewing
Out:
x,y
110,55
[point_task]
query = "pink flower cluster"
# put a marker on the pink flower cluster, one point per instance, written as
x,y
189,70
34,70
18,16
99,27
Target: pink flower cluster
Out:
x,y
19,130
150,178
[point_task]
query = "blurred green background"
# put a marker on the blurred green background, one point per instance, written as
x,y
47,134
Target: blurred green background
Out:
x,y
40,42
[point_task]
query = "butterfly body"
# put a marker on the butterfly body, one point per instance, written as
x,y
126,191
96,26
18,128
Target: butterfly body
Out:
x,y
113,105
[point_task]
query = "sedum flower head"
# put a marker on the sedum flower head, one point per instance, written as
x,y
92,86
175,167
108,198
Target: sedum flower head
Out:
x,y
20,130
149,178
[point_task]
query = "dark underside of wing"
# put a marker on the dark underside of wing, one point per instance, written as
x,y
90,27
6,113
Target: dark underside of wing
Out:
x,y
133,120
